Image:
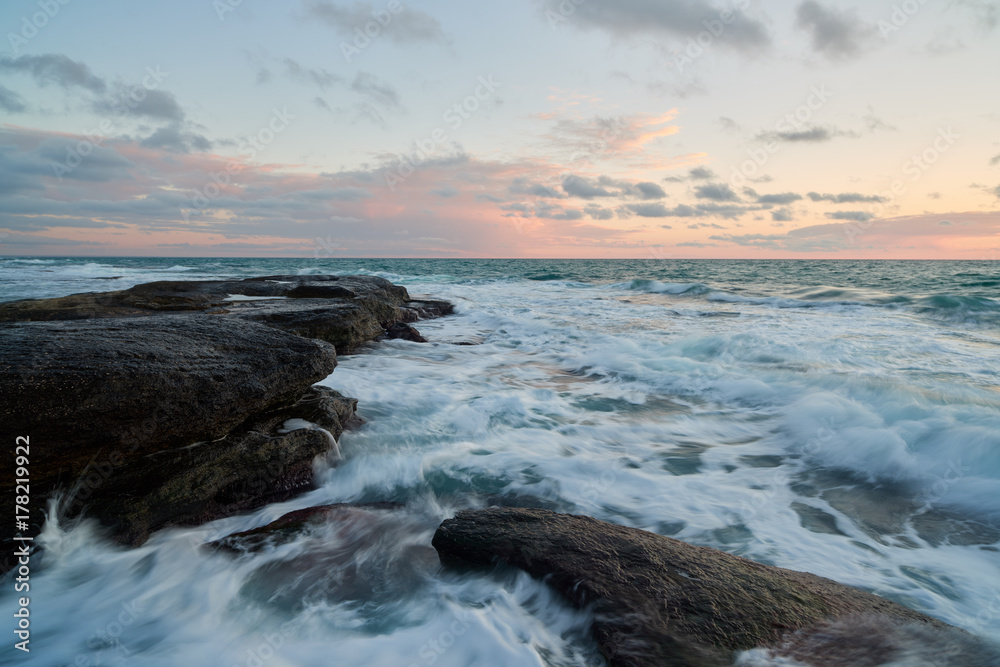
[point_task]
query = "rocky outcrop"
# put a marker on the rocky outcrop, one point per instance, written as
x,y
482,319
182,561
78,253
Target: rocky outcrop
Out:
x,y
175,403
269,459
658,601
101,400
346,311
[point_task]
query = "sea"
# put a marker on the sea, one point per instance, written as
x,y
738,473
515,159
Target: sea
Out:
x,y
835,417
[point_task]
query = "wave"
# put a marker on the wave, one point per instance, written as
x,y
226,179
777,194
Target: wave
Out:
x,y
656,287
960,309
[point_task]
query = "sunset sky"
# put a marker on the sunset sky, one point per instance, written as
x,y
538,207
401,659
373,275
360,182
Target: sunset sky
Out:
x,y
528,128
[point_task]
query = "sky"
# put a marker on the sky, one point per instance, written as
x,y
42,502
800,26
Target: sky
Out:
x,y
527,128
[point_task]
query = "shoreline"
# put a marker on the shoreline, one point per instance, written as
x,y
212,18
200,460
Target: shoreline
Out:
x,y
340,309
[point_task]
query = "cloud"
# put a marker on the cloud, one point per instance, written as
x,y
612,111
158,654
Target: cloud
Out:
x,y
813,134
446,192
729,125
716,192
650,191
695,174
376,90
835,33
857,216
577,186
655,210
986,13
789,242
598,213
409,26
55,69
156,201
729,211
781,198
521,186
102,165
995,160
155,104
628,18
11,101
297,72
846,198
874,123
782,215
921,235
177,139
601,138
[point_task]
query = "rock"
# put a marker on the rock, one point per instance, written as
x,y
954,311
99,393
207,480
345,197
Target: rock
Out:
x,y
345,311
164,404
346,325
259,463
405,332
877,641
289,526
103,394
319,291
658,601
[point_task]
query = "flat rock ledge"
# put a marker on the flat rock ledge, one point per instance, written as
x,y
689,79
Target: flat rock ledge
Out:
x,y
659,601
345,311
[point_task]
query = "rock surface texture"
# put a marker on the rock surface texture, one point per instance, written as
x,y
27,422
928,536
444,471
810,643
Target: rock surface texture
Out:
x,y
175,403
656,600
346,311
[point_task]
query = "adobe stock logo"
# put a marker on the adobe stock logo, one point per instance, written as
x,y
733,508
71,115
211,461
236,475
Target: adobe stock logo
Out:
x,y
30,27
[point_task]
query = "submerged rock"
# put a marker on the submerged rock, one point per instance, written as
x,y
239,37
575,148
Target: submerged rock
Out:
x,y
656,600
400,331
293,524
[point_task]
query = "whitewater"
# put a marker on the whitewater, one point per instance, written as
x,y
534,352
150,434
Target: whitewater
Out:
x,y
840,418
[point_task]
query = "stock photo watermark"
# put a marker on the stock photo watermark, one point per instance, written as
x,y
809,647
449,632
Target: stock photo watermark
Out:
x,y
364,35
252,146
455,116
31,25
122,107
914,168
792,124
900,16
715,28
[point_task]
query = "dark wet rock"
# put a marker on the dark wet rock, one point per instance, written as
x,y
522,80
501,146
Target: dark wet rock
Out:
x,y
425,309
400,331
97,397
346,311
658,601
320,291
291,525
344,324
875,641
261,462
164,404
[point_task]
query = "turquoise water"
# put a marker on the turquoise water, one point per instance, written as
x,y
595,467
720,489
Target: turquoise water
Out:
x,y
837,417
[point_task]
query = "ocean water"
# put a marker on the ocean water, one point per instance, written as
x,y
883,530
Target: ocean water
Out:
x,y
840,417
